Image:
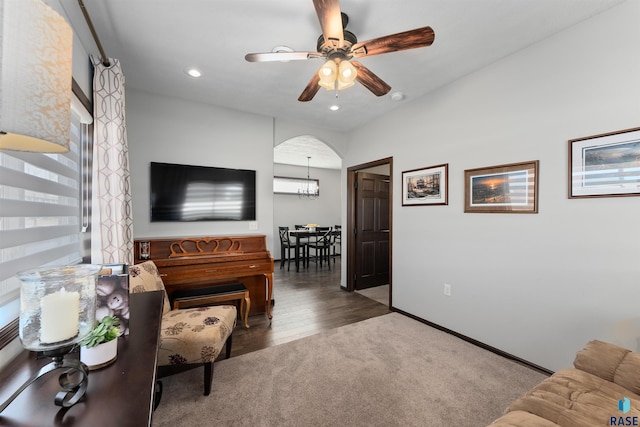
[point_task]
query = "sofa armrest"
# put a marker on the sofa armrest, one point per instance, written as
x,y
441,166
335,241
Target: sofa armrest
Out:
x,y
628,372
612,363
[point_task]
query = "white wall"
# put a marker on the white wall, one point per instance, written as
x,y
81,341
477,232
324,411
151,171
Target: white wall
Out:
x,y
537,286
163,129
290,210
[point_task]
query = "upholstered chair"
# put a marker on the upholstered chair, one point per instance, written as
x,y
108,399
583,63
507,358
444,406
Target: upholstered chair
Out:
x,y
190,337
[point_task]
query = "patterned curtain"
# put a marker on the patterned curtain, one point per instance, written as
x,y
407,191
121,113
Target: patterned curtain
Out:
x,y
111,215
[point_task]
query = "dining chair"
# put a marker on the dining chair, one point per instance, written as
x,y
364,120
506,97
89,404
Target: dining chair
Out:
x,y
321,246
337,242
304,242
286,246
190,337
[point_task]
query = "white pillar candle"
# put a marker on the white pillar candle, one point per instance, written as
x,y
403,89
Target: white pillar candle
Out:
x,y
60,315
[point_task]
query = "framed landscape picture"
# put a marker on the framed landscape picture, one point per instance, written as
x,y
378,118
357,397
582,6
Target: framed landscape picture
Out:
x,y
606,165
425,186
511,188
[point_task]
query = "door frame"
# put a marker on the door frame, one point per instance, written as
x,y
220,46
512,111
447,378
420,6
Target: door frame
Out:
x,y
351,220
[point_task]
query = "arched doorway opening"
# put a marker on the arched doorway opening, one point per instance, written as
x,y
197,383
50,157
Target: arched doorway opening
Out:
x,y
290,160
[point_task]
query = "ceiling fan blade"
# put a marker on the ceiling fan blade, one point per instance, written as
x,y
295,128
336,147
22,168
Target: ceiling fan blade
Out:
x,y
420,37
281,56
312,88
328,12
369,80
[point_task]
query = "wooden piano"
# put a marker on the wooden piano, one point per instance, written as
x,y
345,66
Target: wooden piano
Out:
x,y
191,262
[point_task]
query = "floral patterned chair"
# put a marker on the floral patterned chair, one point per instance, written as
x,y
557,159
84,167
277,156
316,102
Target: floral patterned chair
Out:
x,y
191,337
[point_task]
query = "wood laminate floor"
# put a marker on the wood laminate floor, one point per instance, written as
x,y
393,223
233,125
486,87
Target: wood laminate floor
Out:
x,y
306,303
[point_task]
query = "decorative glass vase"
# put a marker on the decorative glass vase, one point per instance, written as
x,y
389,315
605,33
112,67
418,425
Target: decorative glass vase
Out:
x,y
57,310
57,305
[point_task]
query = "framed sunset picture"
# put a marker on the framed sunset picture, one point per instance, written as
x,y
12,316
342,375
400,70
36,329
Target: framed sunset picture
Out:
x,y
510,188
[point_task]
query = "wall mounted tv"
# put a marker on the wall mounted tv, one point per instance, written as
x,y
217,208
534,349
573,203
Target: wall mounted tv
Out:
x,y
202,193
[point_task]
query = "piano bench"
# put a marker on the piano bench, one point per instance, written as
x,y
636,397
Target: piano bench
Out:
x,y
209,295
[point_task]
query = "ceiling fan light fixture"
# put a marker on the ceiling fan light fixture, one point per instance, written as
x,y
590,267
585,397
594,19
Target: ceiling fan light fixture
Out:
x,y
344,85
327,74
339,46
347,74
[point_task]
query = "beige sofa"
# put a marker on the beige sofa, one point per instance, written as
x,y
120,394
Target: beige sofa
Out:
x,y
587,395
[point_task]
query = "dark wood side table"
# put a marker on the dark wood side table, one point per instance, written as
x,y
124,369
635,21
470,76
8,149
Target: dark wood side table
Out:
x,y
120,394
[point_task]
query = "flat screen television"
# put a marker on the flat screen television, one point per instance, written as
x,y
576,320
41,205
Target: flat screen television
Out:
x,y
202,193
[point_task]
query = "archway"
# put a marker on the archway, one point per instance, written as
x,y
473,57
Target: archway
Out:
x,y
325,165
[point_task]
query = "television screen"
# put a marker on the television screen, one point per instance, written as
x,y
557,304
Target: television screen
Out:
x,y
202,193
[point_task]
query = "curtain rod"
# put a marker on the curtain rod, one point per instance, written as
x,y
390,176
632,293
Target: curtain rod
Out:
x,y
105,58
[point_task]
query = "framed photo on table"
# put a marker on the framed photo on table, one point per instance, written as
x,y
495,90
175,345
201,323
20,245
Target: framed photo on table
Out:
x,y
510,188
426,186
112,294
606,165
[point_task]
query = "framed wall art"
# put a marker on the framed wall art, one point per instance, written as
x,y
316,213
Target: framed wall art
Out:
x,y
426,186
510,188
606,165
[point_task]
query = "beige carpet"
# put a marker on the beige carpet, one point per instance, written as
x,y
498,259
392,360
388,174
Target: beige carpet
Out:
x,y
386,371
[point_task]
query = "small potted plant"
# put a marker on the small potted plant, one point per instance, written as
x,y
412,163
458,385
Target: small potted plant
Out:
x,y
100,347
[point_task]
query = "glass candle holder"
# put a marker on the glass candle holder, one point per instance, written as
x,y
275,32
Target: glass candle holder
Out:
x,y
57,310
57,305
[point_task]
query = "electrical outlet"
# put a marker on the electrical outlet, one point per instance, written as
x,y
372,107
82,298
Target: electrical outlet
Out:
x,y
447,289
253,225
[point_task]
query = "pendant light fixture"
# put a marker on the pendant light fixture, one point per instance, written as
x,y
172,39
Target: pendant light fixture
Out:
x,y
35,78
312,189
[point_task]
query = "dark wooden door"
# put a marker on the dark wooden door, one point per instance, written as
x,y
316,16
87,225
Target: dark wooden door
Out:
x,y
372,230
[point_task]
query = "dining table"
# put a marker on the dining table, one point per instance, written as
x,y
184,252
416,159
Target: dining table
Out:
x,y
306,233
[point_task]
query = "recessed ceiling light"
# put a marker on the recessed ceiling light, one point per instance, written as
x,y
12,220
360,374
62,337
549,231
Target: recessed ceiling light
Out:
x,y
397,96
193,72
281,48
334,108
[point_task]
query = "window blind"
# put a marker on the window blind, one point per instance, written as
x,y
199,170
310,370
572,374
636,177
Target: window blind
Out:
x,y
39,214
285,185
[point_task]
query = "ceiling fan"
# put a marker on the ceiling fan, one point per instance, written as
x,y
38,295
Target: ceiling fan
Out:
x,y
339,46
